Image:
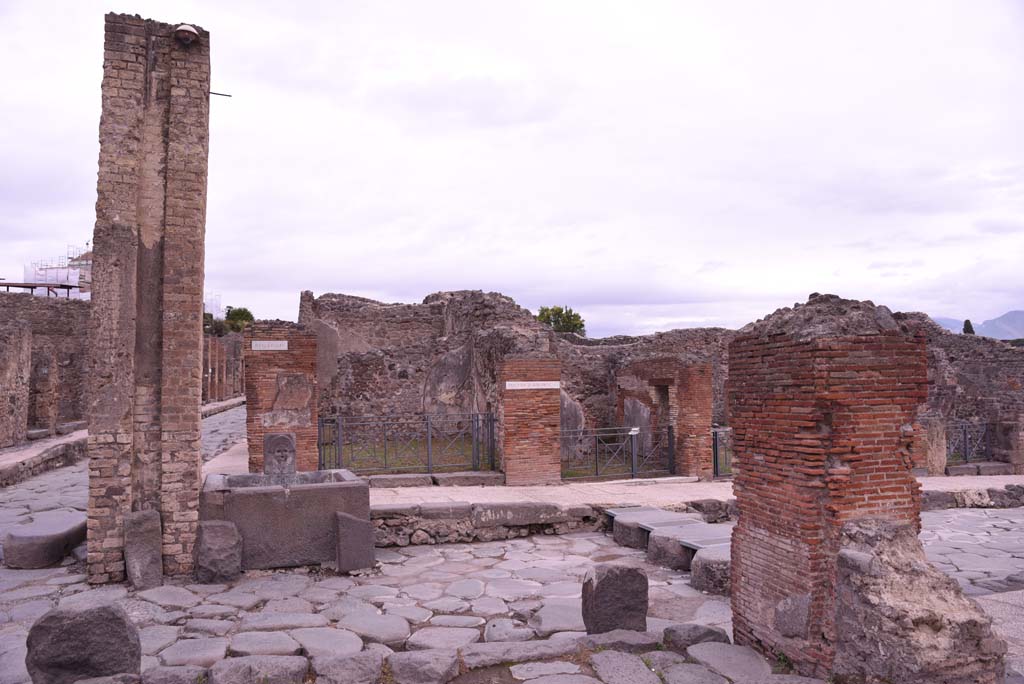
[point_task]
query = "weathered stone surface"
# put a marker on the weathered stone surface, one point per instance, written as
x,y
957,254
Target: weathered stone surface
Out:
x,y
504,629
218,552
622,640
710,570
442,510
45,541
734,662
67,644
170,597
476,656
565,679
202,652
890,600
263,643
442,638
279,454
251,669
472,478
558,615
614,597
457,621
614,667
391,630
361,668
157,637
209,626
659,661
267,622
143,561
543,669
932,500
184,674
424,667
411,480
327,641
466,589
355,542
517,513
124,678
689,673
663,548
680,637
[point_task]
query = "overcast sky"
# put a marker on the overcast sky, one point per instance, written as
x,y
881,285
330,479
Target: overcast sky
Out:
x,y
652,165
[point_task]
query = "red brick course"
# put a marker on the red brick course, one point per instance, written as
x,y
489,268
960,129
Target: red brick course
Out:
x,y
821,436
529,422
281,391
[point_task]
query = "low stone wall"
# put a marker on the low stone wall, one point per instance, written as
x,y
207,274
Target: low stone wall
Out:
x,y
1010,496
439,523
57,456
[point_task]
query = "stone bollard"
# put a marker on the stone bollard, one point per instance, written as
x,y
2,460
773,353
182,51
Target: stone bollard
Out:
x,y
70,644
218,552
614,597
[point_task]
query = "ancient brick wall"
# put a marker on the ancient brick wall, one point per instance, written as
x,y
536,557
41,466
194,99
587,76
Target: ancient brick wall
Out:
x,y
15,362
281,389
222,367
821,398
59,330
145,341
665,391
529,421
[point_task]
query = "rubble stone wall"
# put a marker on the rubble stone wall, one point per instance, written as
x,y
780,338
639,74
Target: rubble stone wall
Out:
x,y
821,399
281,390
145,333
15,361
59,329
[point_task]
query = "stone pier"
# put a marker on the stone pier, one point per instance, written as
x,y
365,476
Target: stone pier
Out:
x,y
530,419
146,329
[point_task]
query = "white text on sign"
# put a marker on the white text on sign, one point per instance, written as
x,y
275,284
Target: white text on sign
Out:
x,y
532,384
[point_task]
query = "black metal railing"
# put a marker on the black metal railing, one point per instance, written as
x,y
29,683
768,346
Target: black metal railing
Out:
x,y
617,452
721,448
415,443
967,442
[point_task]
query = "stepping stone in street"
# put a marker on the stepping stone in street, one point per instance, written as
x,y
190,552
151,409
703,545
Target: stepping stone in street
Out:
x,y
632,531
45,541
733,662
442,638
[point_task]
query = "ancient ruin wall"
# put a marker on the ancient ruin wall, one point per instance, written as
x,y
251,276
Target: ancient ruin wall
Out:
x,y
821,398
15,361
145,342
59,329
442,356
223,367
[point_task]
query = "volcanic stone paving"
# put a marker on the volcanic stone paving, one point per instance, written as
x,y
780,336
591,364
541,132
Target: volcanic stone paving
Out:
x,y
221,431
983,549
422,598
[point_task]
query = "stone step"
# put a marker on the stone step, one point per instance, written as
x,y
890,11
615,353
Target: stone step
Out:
x,y
622,510
45,541
633,529
37,433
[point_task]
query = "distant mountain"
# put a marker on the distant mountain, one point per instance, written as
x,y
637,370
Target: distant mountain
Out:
x,y
1009,326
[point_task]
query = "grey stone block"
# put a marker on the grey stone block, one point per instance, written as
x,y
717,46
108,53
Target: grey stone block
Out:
x,y
935,501
518,513
995,468
734,662
68,644
424,667
614,667
355,543
614,597
471,478
678,638
250,669
1004,498
476,656
45,541
688,673
143,555
445,510
410,480
379,511
218,552
182,674
360,668
710,569
123,678
962,469
622,640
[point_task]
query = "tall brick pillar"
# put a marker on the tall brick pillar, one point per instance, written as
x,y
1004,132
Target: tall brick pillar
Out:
x,y
280,389
145,337
821,398
530,419
694,450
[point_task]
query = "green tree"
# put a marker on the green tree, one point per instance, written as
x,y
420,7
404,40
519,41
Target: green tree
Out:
x,y
237,317
968,328
562,319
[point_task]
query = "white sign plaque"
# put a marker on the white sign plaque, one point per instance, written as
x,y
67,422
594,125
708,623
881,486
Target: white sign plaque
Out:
x,y
532,384
270,345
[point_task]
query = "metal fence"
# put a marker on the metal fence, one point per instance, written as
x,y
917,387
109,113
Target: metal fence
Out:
x,y
968,442
407,443
617,452
721,445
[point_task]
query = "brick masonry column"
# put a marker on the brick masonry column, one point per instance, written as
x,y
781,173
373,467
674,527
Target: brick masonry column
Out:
x,y
695,397
145,334
280,389
530,419
821,398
